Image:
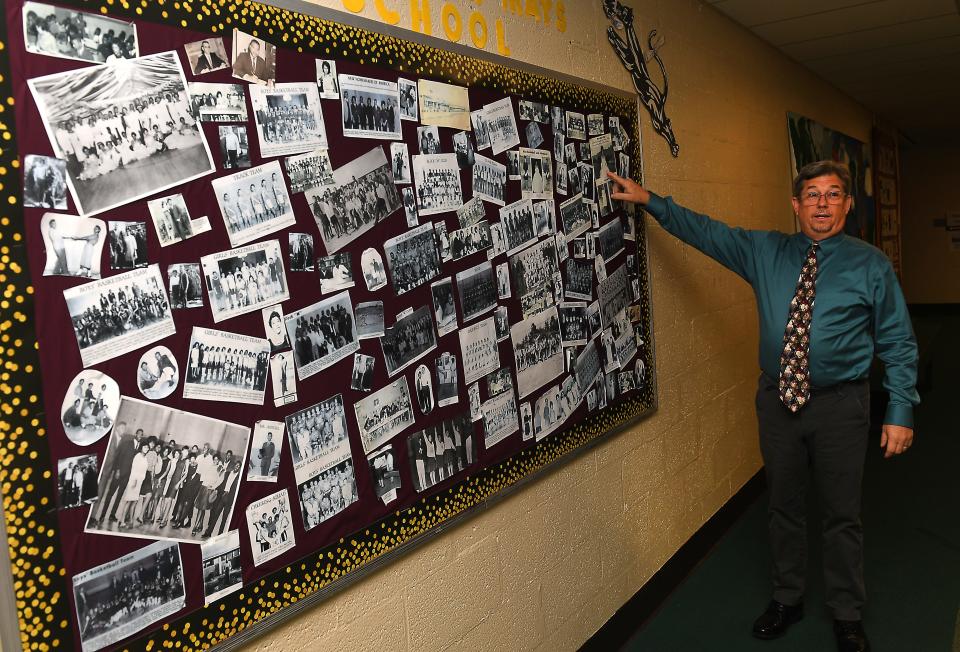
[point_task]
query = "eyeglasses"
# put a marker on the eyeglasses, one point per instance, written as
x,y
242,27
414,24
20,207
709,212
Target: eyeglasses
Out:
x,y
812,197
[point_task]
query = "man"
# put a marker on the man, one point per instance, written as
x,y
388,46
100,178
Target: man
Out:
x,y
267,451
208,61
813,396
251,66
56,241
223,498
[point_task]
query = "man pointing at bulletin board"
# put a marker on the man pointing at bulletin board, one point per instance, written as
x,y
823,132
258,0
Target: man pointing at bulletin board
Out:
x,y
827,302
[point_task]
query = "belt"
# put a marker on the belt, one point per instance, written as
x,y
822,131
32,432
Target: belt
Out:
x,y
819,389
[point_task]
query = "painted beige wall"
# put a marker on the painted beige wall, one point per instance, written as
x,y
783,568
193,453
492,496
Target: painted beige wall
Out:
x,y
548,566
929,190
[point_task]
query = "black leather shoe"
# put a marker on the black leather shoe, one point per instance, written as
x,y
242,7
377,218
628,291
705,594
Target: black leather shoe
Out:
x,y
850,636
774,622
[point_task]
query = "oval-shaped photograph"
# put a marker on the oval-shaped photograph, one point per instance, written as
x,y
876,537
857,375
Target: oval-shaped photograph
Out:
x,y
424,385
158,373
89,407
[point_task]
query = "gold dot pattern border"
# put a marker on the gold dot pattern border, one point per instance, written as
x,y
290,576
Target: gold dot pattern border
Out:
x,y
26,479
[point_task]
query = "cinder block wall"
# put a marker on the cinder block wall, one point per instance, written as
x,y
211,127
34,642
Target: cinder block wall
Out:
x,y
547,567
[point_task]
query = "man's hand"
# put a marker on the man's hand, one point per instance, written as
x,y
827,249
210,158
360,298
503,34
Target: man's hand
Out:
x,y
628,190
895,439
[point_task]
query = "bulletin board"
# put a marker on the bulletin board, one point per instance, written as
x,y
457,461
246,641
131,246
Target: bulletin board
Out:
x,y
146,582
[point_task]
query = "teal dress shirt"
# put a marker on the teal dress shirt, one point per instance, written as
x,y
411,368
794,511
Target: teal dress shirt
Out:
x,y
859,308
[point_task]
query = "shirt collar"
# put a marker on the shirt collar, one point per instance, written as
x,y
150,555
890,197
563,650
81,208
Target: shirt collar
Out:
x,y
827,245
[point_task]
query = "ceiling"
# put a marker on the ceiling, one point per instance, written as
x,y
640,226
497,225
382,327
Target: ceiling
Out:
x,y
899,58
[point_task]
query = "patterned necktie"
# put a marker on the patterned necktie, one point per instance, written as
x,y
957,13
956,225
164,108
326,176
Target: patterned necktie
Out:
x,y
794,369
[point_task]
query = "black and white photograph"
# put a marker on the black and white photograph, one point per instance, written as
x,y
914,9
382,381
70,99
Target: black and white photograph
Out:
x,y
322,334
471,212
301,252
370,108
363,194
158,373
206,56
602,156
536,174
575,216
627,381
423,386
126,595
477,287
595,124
217,102
443,307
558,120
428,140
244,279
570,154
371,266
502,323
327,83
44,182
576,126
266,448
611,240
171,219
412,258
587,368
536,111
446,364
128,245
478,347
283,378
336,272
168,474
442,240
273,328
318,437
480,134
608,346
547,414
499,381
408,340
604,202
270,527
86,113
463,150
410,207
400,162
501,125
309,171
253,59
611,386
489,180
578,280
361,379
574,182
588,181
614,294
76,481
89,407
537,349
560,240
386,476
584,149
559,148
327,493
533,134
222,571
119,314
513,165
545,217
473,399
227,367
593,319
573,323
234,147
409,105
519,229
526,421
579,247
383,414
288,118
444,105
532,271
441,451
562,178
78,35
500,419
369,316
74,245
470,240
253,202
503,281
623,165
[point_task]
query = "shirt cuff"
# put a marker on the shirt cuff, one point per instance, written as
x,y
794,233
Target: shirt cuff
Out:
x,y
899,414
656,206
